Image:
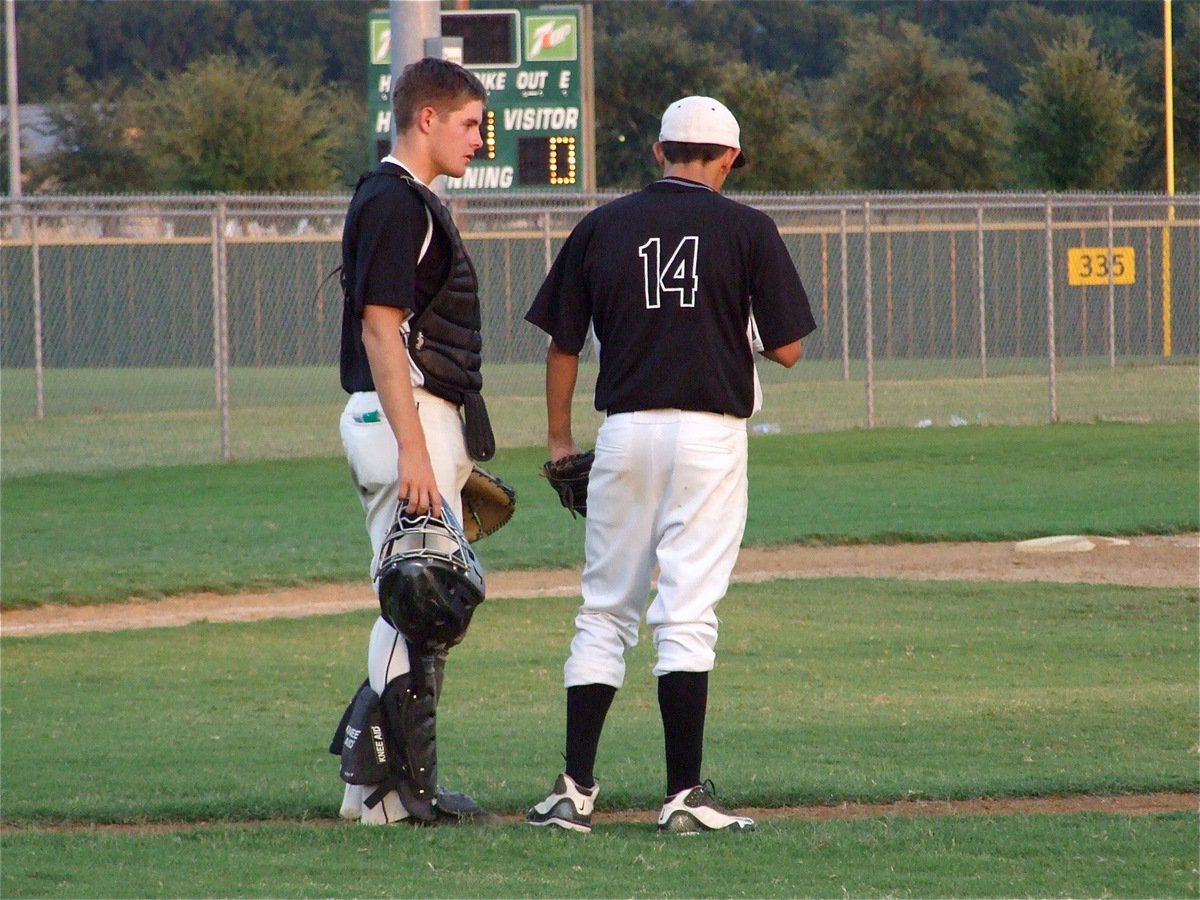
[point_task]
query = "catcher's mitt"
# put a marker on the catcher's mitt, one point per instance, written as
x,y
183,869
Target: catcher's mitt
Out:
x,y
569,478
487,504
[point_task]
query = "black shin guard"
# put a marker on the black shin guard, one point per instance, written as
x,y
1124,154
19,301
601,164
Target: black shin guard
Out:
x,y
409,706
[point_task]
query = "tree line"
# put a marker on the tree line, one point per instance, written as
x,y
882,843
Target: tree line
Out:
x,y
915,95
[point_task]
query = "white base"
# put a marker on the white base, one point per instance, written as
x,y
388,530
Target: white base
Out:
x,y
1059,543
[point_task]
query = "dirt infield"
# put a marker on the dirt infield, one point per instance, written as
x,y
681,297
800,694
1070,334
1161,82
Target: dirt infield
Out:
x,y
1146,561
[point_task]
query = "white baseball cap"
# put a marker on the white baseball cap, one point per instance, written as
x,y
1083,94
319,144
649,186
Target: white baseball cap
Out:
x,y
702,120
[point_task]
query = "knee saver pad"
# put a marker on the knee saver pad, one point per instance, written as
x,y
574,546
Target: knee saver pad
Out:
x,y
365,758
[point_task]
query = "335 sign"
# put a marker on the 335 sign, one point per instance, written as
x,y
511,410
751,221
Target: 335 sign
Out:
x,y
1092,265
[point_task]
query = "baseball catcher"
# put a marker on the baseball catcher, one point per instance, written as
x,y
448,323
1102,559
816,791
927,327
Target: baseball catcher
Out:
x,y
568,476
410,360
429,582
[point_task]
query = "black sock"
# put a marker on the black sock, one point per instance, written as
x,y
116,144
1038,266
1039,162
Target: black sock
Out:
x,y
587,707
683,702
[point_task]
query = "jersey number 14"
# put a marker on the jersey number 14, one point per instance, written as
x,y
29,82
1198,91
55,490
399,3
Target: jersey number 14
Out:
x,y
677,279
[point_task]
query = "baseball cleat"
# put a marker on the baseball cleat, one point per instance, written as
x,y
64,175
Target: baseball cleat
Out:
x,y
569,806
455,808
695,810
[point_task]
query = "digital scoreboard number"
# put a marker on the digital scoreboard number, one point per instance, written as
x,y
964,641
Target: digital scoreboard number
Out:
x,y
547,160
552,160
530,62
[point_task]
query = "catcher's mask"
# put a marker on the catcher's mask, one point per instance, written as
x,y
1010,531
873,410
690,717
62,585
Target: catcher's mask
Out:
x,y
429,580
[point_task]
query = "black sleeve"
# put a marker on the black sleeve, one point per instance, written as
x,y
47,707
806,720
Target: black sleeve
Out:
x,y
391,231
562,307
778,298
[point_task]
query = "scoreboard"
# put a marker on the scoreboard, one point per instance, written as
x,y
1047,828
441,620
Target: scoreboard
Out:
x,y
537,128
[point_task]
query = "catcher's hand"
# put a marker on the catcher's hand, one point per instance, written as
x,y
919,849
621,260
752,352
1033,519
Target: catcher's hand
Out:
x,y
487,504
569,478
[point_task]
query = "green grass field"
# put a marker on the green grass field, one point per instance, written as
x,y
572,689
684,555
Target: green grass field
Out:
x,y
191,762
1035,856
110,419
826,691
226,528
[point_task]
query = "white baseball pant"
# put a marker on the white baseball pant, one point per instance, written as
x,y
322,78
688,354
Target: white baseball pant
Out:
x,y
668,488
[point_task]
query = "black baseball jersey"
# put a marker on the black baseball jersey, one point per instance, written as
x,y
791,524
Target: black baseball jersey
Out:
x,y
667,277
382,240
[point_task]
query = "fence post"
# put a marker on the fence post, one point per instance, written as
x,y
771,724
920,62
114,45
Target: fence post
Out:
x,y
508,301
39,362
1165,272
982,304
546,241
845,305
1112,291
221,328
824,291
870,315
1050,312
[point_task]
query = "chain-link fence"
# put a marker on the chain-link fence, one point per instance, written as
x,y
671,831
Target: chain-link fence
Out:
x,y
165,330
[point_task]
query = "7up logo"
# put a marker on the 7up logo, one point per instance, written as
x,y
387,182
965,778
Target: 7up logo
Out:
x,y
381,42
551,38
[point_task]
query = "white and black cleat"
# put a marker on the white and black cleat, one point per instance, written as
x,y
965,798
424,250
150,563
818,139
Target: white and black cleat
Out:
x,y
569,806
695,810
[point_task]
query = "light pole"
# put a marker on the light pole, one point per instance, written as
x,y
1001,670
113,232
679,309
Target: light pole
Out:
x,y
1169,125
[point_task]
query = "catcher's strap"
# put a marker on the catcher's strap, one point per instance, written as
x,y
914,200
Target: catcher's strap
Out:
x,y
487,504
569,478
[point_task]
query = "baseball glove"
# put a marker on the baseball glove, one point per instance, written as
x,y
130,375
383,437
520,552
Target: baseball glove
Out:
x,y
569,478
487,504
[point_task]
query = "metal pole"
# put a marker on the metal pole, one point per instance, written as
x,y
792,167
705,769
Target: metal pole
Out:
x,y
226,428
1169,127
588,95
39,366
221,329
14,112
982,304
1112,291
215,232
824,292
412,22
1053,377
845,306
870,315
